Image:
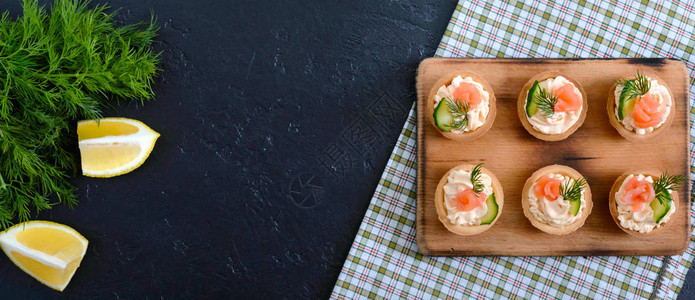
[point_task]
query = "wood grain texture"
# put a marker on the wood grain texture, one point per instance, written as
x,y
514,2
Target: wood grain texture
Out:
x,y
596,150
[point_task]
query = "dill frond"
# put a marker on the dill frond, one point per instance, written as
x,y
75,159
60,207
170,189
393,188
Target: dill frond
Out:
x,y
54,69
665,184
545,101
572,189
636,87
475,179
458,109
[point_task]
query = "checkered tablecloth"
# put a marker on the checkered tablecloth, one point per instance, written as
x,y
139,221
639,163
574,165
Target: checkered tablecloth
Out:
x,y
384,261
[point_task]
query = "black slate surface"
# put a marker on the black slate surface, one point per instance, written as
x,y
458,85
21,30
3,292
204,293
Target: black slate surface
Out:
x,y
277,119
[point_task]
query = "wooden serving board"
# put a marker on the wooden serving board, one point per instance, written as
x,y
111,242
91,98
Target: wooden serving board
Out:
x,y
596,150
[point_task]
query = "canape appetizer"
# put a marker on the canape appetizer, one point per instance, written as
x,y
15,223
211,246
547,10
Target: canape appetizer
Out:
x,y
642,202
462,106
556,199
641,107
552,106
469,199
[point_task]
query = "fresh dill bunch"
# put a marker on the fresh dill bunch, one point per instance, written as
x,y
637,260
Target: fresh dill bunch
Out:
x,y
459,109
54,69
636,87
475,179
545,101
571,190
665,184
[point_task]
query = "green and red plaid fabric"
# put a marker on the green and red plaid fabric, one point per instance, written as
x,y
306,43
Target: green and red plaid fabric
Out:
x,y
384,261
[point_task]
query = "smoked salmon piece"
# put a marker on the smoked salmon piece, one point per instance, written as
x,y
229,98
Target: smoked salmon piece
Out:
x,y
567,100
467,200
638,193
467,92
547,187
646,111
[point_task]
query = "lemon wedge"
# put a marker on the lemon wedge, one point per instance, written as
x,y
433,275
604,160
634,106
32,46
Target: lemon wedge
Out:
x,y
49,252
113,146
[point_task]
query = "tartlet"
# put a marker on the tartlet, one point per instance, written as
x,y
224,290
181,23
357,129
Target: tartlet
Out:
x,y
544,203
548,120
457,89
640,108
634,202
460,209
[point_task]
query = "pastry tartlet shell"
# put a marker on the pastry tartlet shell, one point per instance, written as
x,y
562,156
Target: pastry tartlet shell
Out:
x,y
563,170
613,205
470,135
467,229
521,108
629,134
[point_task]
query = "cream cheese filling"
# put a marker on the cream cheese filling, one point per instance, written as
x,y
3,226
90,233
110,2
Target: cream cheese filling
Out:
x,y
457,181
554,213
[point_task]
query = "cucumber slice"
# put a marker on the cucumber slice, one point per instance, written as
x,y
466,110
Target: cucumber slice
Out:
x,y
531,107
575,206
492,209
625,105
442,116
660,210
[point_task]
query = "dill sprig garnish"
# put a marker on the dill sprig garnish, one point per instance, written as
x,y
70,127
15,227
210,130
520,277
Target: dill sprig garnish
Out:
x,y
459,109
636,87
545,101
665,184
571,190
475,179
54,69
